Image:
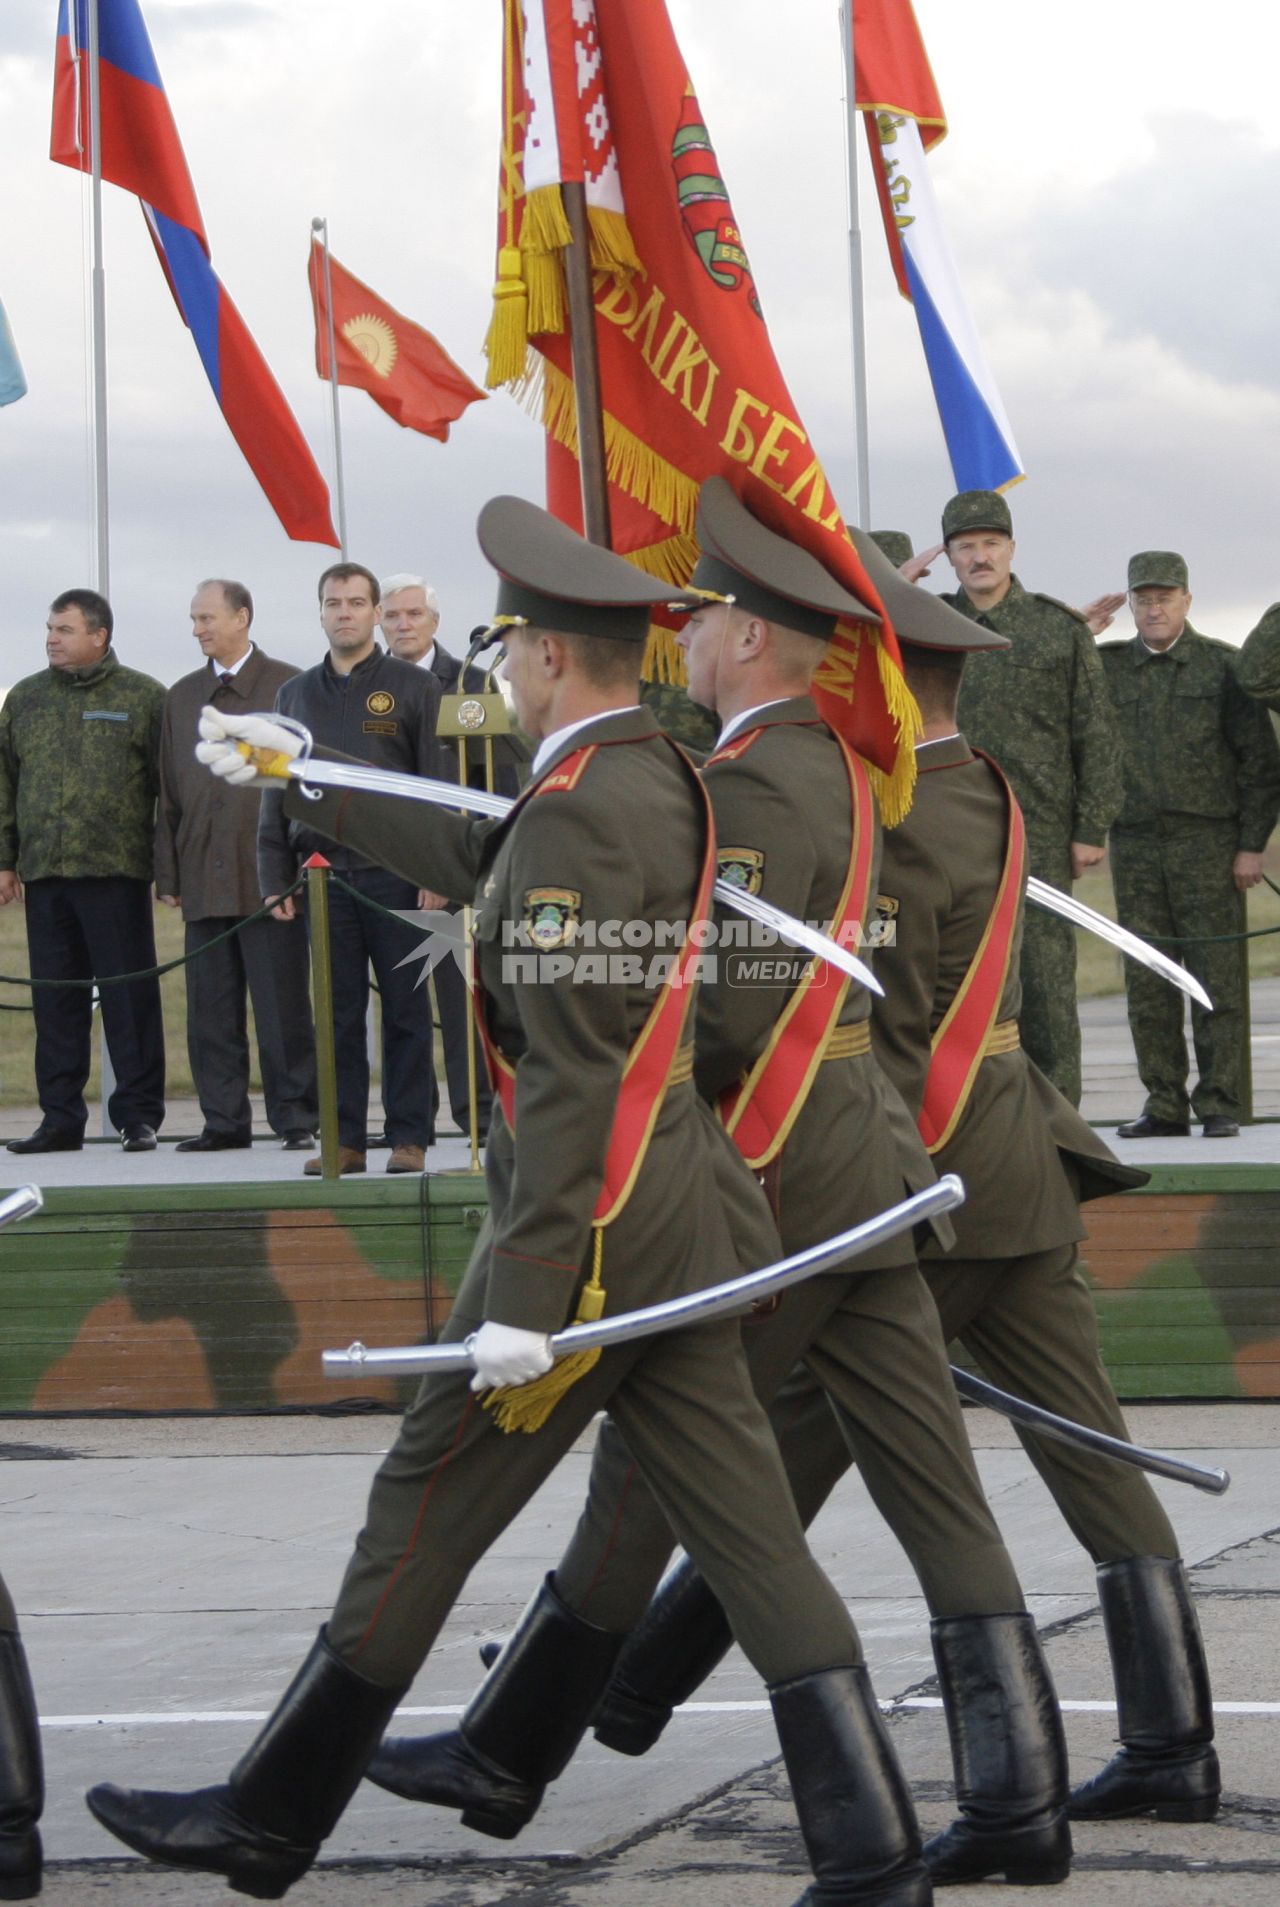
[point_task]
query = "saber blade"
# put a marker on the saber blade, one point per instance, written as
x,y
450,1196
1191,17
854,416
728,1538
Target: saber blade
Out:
x,y
447,794
23,1203
696,1307
1129,943
1047,1423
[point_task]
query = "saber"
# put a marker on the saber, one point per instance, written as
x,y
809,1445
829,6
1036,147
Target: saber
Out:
x,y
24,1203
448,794
1132,944
1046,1423
696,1307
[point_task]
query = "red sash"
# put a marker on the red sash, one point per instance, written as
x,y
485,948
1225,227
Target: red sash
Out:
x,y
651,1064
760,1110
961,1040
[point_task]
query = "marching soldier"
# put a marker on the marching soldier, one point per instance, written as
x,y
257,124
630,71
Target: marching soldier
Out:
x,y
588,1159
21,1768
1201,795
791,1071
1043,713
1011,1290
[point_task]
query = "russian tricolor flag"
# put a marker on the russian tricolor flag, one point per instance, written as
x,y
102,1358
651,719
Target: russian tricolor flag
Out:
x,y
142,152
896,91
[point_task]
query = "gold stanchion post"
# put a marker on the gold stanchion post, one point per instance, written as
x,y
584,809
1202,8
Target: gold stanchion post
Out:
x,y
317,873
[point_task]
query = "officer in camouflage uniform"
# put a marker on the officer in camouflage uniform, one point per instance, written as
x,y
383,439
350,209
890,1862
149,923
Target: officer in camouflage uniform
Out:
x,y
1258,663
1042,711
79,776
21,1769
1201,795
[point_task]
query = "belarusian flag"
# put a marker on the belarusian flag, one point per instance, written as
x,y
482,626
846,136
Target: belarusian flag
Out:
x,y
691,388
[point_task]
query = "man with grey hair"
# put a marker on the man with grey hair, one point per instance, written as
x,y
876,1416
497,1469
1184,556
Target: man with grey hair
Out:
x,y
207,864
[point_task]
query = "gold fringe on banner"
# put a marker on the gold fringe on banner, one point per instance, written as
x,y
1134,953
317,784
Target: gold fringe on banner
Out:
x,y
663,658
895,792
633,465
612,247
507,340
527,1406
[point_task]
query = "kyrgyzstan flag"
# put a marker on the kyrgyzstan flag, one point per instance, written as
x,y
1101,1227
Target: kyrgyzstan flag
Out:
x,y
599,94
142,152
401,366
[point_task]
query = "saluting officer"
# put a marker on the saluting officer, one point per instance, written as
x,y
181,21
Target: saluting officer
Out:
x,y
791,1070
1043,713
607,1183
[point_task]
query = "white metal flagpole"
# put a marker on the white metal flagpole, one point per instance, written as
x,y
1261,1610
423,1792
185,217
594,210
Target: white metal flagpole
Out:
x,y
98,306
857,302
321,228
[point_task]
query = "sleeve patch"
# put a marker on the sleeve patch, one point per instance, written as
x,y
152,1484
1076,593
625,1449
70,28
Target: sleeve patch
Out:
x,y
883,931
551,918
741,867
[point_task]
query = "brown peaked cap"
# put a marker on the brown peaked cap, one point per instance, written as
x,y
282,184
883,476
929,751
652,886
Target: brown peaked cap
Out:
x,y
766,574
917,615
552,578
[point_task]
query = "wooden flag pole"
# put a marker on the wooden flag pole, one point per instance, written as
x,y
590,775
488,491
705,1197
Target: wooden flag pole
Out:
x,y
586,369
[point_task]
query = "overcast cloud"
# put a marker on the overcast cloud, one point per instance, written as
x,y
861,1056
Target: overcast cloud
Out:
x,y
1109,192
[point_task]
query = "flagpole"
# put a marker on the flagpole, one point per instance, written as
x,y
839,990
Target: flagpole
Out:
x,y
321,226
586,369
98,326
857,300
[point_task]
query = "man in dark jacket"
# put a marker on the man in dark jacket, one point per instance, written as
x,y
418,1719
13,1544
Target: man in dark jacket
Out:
x,y
365,703
79,747
206,864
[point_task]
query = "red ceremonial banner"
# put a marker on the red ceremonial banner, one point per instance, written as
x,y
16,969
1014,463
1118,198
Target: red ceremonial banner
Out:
x,y
691,387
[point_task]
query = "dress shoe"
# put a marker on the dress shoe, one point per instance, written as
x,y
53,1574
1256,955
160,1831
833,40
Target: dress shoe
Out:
x,y
349,1160
1149,1127
407,1159
215,1142
298,1139
49,1139
138,1139
1220,1125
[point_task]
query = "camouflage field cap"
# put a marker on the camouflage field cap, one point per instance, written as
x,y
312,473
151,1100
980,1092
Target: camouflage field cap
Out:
x,y
1158,569
918,616
764,573
896,545
552,578
976,510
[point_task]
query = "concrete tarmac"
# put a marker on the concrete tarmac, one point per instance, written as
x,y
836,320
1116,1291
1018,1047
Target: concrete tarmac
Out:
x,y
170,1573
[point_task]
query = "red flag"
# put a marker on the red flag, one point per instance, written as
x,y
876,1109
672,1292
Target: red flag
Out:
x,y
377,350
893,76
691,388
141,151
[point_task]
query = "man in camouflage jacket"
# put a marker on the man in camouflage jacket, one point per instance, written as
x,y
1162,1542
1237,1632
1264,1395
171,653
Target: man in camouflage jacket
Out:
x,y
1042,711
79,751
1201,795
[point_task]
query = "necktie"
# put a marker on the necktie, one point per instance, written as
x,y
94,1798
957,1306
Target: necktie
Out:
x,y
225,679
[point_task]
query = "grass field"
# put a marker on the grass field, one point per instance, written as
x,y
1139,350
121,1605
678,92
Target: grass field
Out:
x,y
1099,971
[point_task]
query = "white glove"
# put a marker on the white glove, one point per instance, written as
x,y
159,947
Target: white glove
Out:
x,y
220,751
504,1355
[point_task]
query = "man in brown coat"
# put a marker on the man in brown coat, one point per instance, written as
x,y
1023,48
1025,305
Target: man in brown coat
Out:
x,y
206,864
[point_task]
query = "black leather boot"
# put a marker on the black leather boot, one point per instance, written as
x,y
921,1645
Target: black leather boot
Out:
x,y
668,1655
1010,1755
264,1826
1166,1764
21,1775
521,1726
850,1794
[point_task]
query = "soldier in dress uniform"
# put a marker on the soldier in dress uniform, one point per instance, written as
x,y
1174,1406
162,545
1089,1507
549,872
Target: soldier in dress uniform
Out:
x,y
1043,713
609,1185
791,1070
1011,1290
21,1769
1201,795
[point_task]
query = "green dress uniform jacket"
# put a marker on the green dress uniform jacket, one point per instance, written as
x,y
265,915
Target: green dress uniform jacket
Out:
x,y
869,1334
623,844
1012,1292
1201,784
79,754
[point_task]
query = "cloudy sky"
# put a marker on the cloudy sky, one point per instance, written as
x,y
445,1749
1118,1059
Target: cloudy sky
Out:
x,y
1109,183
